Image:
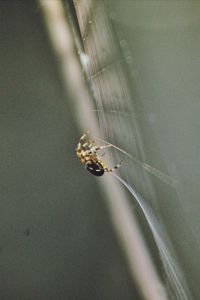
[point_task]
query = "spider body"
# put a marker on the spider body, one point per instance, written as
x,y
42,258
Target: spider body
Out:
x,y
87,153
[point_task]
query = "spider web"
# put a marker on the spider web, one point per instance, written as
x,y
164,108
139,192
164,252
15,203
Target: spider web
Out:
x,y
127,119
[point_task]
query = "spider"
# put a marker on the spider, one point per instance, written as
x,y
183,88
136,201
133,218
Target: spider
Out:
x,y
87,153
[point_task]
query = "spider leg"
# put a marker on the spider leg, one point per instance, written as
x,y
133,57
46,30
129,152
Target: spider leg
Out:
x,y
96,148
79,146
88,144
83,137
114,168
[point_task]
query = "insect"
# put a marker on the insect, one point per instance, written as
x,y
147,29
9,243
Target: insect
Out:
x,y
87,153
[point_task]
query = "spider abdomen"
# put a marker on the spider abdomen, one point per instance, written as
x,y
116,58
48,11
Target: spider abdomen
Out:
x,y
96,168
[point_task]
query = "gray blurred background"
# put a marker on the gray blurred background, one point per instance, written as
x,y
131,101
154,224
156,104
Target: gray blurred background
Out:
x,y
56,236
